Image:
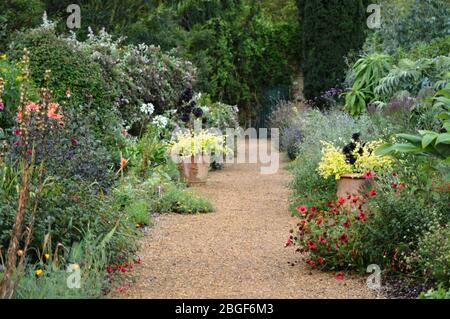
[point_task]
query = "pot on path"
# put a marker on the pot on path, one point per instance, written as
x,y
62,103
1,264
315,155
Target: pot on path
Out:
x,y
352,184
194,169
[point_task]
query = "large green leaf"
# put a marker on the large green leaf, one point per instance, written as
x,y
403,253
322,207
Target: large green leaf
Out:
x,y
443,138
411,138
428,139
406,148
384,149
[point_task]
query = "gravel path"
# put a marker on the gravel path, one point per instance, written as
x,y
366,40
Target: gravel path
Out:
x,y
237,251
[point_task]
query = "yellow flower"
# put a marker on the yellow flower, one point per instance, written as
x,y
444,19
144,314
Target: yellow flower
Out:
x,y
47,256
19,78
3,56
39,272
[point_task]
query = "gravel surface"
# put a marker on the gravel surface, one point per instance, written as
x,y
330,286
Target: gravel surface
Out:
x,y
238,250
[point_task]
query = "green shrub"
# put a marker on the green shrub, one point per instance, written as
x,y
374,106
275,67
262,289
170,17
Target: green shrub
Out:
x,y
432,256
329,31
17,15
71,69
178,200
437,47
139,211
10,73
436,293
315,126
90,256
366,73
66,207
412,22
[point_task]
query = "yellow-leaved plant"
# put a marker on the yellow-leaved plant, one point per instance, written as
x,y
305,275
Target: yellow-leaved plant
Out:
x,y
334,162
198,143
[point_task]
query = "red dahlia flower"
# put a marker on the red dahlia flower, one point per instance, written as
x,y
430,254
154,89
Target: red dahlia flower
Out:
x,y
311,245
343,238
302,209
339,276
369,175
341,201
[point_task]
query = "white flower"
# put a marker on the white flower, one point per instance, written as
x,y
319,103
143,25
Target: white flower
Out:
x,y
148,108
161,121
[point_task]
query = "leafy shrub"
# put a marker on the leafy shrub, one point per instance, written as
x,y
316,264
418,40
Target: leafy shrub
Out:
x,y
412,22
439,293
89,255
330,235
413,76
329,30
17,15
316,126
139,212
178,200
403,212
286,117
71,69
10,81
218,115
366,72
66,208
290,140
437,47
432,256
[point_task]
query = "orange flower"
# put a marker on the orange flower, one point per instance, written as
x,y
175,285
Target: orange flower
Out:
x,y
19,116
51,113
123,163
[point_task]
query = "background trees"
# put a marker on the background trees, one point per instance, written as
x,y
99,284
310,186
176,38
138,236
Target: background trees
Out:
x,y
329,30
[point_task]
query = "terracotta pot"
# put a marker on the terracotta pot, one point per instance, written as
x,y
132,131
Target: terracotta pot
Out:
x,y
352,184
194,169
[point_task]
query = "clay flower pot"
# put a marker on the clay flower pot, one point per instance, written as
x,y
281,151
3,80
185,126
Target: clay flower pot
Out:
x,y
194,169
352,184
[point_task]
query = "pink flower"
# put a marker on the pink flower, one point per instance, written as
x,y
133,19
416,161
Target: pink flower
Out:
x,y
362,216
2,106
369,175
17,132
311,245
321,260
289,242
52,112
302,209
339,276
322,240
32,107
314,209
341,201
343,238
73,141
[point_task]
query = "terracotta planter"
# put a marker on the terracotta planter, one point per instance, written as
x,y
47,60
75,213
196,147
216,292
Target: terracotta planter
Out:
x,y
352,184
194,169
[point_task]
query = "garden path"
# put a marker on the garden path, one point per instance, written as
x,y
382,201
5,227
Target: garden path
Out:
x,y
237,251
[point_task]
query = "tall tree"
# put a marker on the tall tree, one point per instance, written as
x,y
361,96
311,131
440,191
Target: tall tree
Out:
x,y
329,30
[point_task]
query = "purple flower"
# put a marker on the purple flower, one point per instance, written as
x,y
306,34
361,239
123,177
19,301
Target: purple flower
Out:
x,y
2,106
